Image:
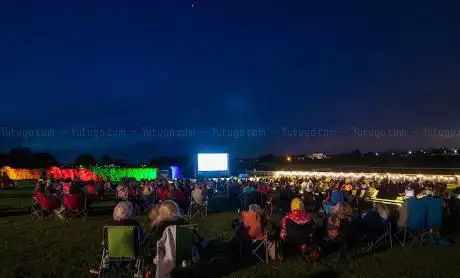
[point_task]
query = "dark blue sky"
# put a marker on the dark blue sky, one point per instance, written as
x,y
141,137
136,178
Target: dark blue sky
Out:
x,y
228,64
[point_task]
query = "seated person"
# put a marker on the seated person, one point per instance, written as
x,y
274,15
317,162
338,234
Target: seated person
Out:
x,y
251,224
171,193
199,195
95,189
339,228
74,200
250,198
167,214
66,186
108,185
383,211
403,210
170,214
122,191
45,203
341,212
153,217
251,227
147,190
309,200
297,229
40,186
123,215
264,189
147,196
373,221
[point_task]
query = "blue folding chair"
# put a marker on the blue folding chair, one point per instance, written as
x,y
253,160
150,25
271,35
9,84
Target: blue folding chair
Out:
x,y
378,230
434,216
416,223
337,196
435,212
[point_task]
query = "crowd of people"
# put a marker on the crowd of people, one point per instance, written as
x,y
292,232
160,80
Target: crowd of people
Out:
x,y
316,215
328,214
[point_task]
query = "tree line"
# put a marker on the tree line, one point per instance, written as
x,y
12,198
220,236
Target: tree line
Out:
x,y
22,157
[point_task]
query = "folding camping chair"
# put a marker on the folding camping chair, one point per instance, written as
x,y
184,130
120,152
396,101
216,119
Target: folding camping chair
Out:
x,y
178,242
375,240
416,222
297,236
95,191
148,202
434,217
257,238
196,209
43,205
121,245
122,193
267,204
186,245
75,204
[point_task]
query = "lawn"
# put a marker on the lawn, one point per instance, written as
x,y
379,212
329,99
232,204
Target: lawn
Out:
x,y
29,248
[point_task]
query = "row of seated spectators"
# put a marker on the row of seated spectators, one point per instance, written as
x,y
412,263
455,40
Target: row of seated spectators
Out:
x,y
339,213
145,195
342,228
62,198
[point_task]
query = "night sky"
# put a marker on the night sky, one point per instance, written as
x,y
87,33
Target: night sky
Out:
x,y
191,66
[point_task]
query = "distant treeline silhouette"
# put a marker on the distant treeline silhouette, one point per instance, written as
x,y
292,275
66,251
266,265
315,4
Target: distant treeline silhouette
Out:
x,y
22,157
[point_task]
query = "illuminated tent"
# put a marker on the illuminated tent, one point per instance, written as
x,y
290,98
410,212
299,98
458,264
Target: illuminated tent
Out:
x,y
21,174
116,173
80,173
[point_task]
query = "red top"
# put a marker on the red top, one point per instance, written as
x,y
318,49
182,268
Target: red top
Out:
x,y
175,195
264,189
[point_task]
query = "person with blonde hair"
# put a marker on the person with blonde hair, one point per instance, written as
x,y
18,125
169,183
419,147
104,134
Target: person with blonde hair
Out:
x,y
168,214
169,211
153,216
297,215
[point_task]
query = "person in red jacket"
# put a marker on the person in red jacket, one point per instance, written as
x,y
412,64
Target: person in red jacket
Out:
x,y
171,193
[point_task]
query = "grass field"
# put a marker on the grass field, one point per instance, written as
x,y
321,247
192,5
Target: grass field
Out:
x,y
29,248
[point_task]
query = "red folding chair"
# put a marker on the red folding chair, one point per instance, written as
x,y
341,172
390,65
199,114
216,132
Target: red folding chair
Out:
x,y
122,193
43,205
66,187
75,205
95,191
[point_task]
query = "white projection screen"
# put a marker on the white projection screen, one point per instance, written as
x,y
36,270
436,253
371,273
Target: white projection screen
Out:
x,y
208,162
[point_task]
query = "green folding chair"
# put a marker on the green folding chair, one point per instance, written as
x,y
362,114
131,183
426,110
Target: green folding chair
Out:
x,y
121,245
186,245
186,249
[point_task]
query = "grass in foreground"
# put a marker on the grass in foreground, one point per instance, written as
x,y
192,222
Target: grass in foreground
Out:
x,y
29,248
